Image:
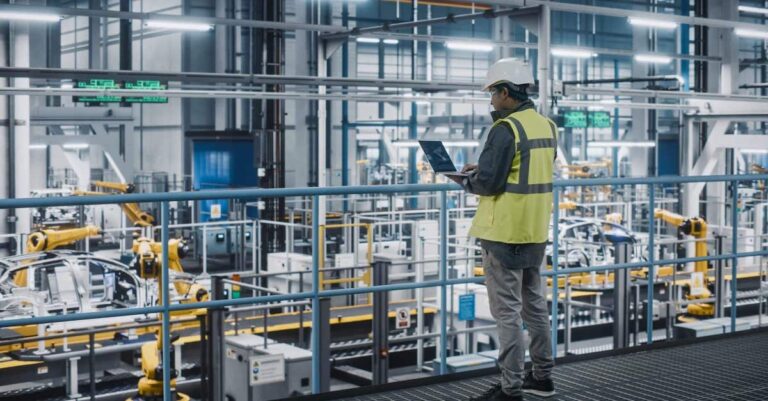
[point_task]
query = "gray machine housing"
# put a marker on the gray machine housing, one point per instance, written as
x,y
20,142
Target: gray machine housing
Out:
x,y
237,375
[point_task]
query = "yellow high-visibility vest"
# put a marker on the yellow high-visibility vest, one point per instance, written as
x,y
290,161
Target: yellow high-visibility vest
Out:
x,y
522,213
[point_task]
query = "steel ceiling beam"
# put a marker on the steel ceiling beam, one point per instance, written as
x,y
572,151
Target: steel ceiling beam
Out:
x,y
624,13
87,12
524,45
661,94
303,96
232,94
627,105
448,19
442,39
343,32
203,77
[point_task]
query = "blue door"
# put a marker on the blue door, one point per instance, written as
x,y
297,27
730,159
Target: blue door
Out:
x,y
220,165
669,160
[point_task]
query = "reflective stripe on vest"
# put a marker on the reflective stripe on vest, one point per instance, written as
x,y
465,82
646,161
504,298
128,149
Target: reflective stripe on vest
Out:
x,y
524,148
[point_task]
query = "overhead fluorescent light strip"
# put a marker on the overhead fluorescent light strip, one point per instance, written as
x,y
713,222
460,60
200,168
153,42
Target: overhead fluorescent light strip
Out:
x,y
652,58
390,41
34,17
622,144
75,146
178,26
461,144
753,10
652,23
572,53
405,144
367,40
368,136
472,46
751,33
754,151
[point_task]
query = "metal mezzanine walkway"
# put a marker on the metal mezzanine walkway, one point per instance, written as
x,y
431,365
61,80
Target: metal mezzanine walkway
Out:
x,y
730,367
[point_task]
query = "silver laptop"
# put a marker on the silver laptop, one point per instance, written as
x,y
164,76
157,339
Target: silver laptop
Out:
x,y
439,158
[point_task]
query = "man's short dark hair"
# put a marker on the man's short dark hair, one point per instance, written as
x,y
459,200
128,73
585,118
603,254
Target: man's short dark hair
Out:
x,y
517,92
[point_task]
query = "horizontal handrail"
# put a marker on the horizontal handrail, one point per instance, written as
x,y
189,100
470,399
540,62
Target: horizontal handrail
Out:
x,y
339,190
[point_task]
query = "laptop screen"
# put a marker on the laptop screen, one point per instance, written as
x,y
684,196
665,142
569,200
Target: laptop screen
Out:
x,y
437,156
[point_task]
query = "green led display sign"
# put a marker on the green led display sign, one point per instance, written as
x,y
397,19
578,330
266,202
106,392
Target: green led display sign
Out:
x,y
581,119
599,119
97,84
105,84
575,119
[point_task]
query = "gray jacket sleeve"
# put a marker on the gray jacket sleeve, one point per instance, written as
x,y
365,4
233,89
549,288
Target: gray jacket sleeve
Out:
x,y
493,165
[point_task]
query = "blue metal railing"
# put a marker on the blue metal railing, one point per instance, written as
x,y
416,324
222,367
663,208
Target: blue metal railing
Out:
x,y
443,282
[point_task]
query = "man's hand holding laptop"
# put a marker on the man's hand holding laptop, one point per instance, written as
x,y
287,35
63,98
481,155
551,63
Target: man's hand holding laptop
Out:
x,y
468,168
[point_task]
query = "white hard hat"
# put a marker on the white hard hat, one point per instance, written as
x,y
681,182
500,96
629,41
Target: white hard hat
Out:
x,y
509,70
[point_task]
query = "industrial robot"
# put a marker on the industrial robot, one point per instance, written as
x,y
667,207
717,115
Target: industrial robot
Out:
x,y
148,262
697,228
48,240
138,217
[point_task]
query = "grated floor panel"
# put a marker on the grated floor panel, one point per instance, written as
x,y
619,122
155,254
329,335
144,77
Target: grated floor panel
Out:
x,y
731,368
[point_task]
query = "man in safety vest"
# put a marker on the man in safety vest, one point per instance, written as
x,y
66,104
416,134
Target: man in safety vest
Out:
x,y
513,178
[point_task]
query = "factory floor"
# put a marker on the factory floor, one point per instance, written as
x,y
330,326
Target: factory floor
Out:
x,y
731,367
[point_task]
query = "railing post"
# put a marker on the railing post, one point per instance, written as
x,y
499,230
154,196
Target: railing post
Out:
x,y
72,378
719,276
555,280
302,340
254,268
215,342
734,250
443,279
621,298
204,243
651,265
315,339
380,363
567,319
324,335
92,365
164,234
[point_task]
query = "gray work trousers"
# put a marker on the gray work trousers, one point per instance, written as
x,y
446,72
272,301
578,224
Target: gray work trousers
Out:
x,y
516,295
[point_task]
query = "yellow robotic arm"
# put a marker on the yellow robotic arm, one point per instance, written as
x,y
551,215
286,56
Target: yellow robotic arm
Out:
x,y
697,228
149,258
149,261
115,186
48,240
694,226
151,384
132,210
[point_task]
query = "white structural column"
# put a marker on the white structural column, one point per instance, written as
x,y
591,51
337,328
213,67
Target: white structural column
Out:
x,y
322,132
501,33
20,118
544,74
723,42
5,163
638,157
220,50
297,140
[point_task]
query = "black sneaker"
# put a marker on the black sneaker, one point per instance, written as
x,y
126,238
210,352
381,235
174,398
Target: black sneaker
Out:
x,y
496,394
542,388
